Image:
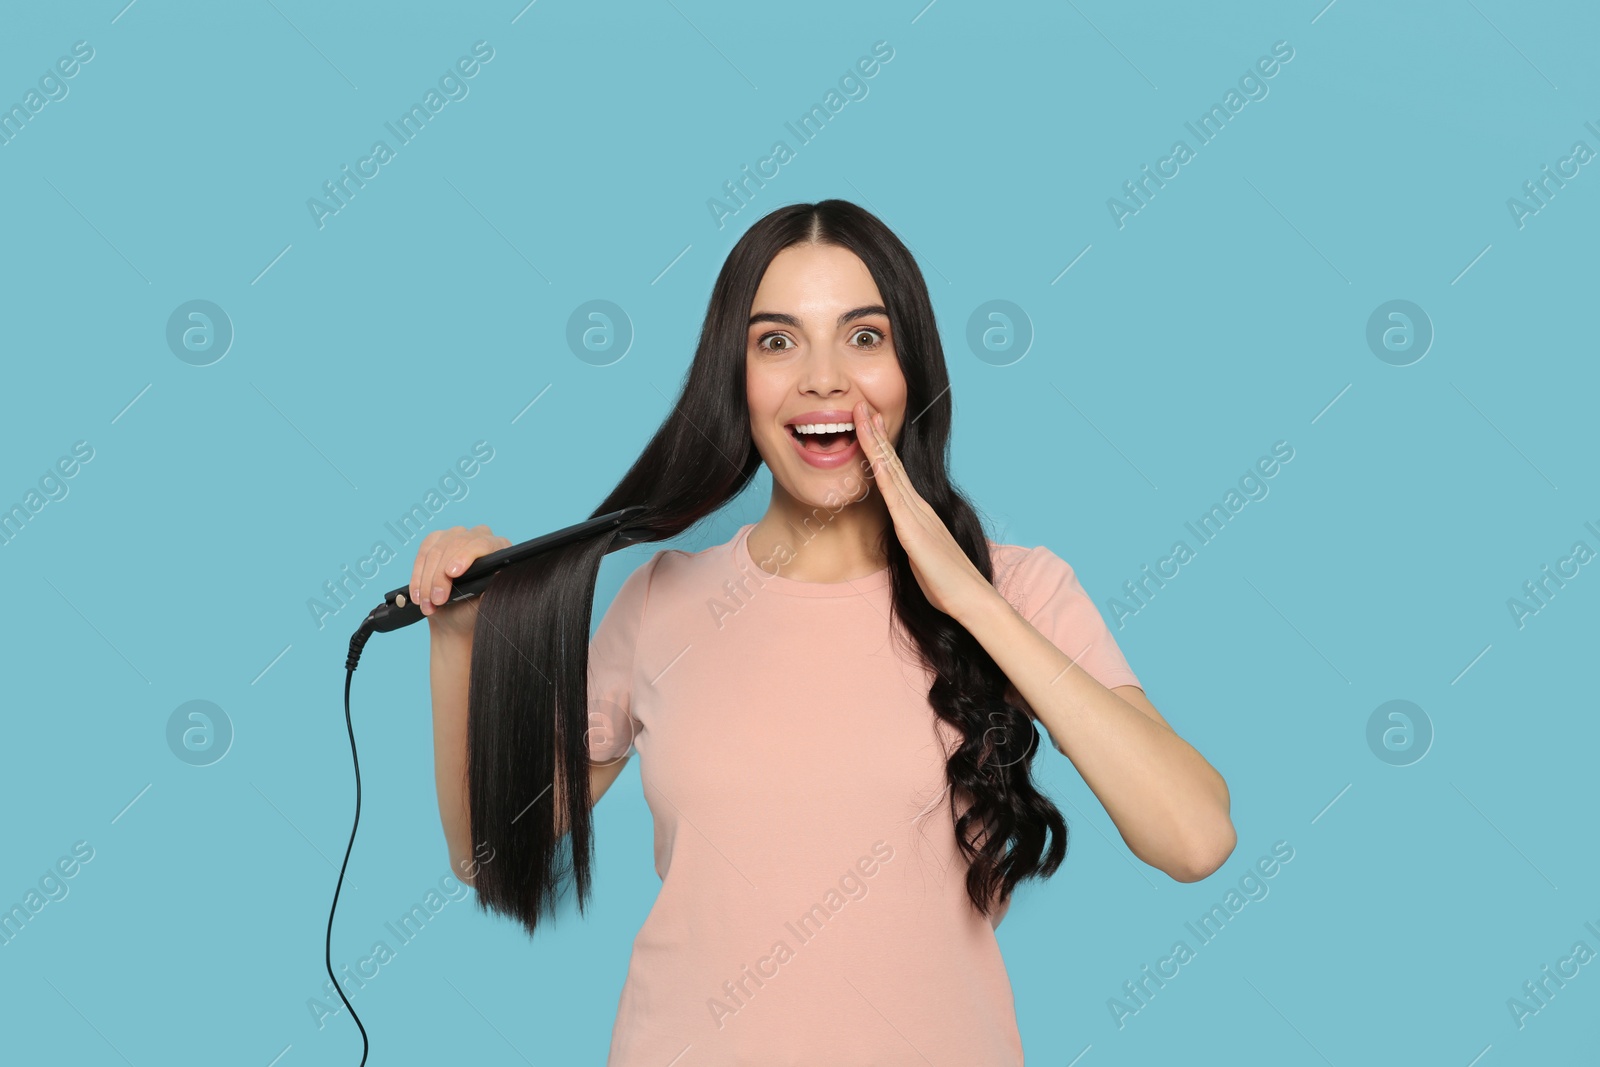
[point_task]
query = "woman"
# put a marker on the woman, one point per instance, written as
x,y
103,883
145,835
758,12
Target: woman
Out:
x,y
835,710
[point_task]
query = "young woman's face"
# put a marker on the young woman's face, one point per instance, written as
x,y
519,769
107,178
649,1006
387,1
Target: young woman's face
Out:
x,y
818,343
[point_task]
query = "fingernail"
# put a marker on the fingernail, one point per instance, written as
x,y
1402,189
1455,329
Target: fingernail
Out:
x,y
438,595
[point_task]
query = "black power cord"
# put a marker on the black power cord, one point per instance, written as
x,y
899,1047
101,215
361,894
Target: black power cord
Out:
x,y
357,642
397,611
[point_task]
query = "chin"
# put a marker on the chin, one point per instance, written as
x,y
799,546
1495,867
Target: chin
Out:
x,y
830,489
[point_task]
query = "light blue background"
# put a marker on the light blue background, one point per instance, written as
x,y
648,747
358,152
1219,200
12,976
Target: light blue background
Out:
x,y
1228,314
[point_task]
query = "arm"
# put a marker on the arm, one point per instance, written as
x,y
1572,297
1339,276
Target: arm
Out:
x,y
450,657
1169,804
450,660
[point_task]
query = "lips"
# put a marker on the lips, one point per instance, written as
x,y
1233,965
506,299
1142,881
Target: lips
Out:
x,y
825,415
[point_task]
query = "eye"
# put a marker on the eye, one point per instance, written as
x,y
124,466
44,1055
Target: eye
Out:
x,y
762,342
872,331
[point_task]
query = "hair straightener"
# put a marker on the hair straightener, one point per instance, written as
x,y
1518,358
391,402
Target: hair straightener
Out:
x,y
399,610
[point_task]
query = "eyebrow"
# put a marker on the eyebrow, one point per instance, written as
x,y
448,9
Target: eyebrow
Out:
x,y
849,316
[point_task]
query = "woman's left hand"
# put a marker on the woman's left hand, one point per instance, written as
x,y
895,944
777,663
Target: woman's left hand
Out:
x,y
948,579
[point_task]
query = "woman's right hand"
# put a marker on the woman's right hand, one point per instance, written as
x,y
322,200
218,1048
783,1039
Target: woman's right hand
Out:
x,y
441,558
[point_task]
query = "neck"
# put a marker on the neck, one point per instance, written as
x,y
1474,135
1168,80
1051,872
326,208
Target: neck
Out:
x,y
823,544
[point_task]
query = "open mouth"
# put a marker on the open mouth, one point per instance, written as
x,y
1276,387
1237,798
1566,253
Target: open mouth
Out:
x,y
824,438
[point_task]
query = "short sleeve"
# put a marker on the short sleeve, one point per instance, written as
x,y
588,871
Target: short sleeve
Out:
x,y
612,726
1045,590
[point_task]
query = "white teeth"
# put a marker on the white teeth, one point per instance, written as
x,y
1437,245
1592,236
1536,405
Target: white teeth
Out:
x,y
823,427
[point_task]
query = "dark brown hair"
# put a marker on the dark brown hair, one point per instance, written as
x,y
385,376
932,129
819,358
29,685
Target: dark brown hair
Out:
x,y
528,705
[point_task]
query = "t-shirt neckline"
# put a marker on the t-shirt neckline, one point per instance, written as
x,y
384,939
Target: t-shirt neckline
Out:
x,y
744,561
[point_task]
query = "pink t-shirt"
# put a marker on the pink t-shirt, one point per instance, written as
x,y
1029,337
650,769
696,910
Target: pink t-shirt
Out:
x,y
813,907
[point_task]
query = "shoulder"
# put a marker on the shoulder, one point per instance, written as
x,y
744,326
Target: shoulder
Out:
x,y
670,568
1045,590
1025,574
671,576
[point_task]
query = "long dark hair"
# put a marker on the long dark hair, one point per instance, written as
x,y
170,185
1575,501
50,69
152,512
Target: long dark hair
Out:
x,y
528,704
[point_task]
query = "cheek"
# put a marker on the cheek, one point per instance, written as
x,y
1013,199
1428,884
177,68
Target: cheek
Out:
x,y
764,394
891,404
884,384
758,382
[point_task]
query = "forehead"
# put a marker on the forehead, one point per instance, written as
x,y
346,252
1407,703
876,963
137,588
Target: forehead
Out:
x,y
814,283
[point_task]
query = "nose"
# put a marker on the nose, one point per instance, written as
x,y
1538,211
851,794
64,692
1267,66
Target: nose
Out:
x,y
822,373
